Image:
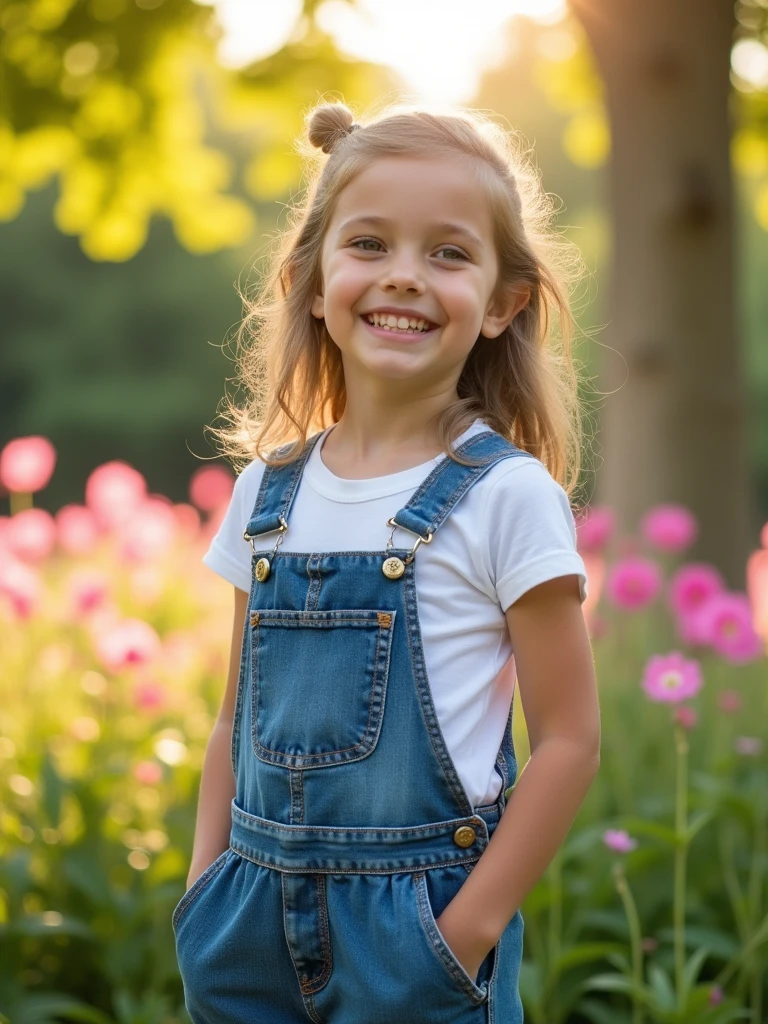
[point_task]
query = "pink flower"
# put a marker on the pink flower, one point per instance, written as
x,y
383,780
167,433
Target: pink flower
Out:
x,y
686,716
77,530
692,585
149,695
21,585
671,678
757,589
129,642
729,701
594,528
148,773
210,487
187,521
619,840
149,531
669,527
113,491
633,582
725,622
26,464
87,589
31,534
750,746
716,995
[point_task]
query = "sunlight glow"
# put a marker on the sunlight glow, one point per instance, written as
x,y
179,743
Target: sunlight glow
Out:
x,y
439,47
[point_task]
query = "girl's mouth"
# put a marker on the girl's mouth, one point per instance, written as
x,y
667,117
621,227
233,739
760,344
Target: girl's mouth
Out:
x,y
388,323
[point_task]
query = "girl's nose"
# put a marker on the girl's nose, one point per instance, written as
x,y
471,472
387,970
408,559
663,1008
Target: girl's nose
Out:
x,y
403,275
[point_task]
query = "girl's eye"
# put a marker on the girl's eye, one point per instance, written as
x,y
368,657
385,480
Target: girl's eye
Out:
x,y
363,244
452,252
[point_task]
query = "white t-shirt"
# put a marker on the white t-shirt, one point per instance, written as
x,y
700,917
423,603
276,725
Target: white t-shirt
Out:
x,y
511,531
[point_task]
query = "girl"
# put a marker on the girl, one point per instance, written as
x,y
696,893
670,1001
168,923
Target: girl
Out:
x,y
356,860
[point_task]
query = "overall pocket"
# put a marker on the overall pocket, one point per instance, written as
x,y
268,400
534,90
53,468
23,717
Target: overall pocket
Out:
x,y
200,883
429,909
319,684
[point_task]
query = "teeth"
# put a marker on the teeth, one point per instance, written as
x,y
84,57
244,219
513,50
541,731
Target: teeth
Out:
x,y
392,323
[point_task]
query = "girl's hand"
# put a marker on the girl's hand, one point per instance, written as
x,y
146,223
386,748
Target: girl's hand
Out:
x,y
469,948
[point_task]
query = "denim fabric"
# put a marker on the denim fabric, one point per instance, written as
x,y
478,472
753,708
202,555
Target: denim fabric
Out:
x,y
344,847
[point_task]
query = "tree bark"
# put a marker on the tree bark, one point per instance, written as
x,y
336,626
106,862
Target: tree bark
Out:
x,y
673,422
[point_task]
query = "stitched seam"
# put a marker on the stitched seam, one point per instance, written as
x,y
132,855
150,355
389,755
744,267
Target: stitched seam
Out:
x,y
302,868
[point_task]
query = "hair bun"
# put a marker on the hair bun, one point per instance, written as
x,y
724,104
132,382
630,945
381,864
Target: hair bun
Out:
x,y
329,124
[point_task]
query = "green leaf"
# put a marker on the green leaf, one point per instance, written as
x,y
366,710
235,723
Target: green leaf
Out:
x,y
662,988
584,953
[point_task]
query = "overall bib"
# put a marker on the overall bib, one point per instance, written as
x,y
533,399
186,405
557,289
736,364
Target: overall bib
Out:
x,y
351,830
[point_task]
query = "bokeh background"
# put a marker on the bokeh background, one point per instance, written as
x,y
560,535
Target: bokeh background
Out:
x,y
147,160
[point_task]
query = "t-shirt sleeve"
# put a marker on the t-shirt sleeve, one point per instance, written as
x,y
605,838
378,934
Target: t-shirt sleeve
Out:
x,y
530,531
229,554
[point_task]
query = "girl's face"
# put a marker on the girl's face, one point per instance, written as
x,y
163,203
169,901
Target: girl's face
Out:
x,y
409,271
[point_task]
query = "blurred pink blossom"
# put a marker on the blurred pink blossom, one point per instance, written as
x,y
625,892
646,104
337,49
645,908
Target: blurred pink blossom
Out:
x,y
187,520
149,532
669,527
594,528
633,582
210,487
671,678
27,463
76,529
87,589
729,701
764,536
691,585
149,695
31,535
619,840
148,773
757,589
128,642
21,585
113,492
686,716
716,996
750,746
648,944
725,622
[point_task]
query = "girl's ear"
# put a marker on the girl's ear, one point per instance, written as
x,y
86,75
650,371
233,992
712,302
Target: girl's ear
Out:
x,y
503,309
318,306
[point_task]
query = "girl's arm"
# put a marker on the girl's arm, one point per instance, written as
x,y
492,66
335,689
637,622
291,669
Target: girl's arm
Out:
x,y
555,673
217,783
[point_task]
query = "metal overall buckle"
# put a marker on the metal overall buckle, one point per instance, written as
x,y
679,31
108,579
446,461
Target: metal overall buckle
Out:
x,y
393,568
263,567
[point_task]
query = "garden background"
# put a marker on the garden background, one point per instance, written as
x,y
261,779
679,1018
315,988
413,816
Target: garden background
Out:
x,y
146,160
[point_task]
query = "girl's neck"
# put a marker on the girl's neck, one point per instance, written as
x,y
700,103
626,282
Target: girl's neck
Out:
x,y
356,450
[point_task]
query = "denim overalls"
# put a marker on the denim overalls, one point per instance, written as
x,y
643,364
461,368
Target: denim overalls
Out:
x,y
351,830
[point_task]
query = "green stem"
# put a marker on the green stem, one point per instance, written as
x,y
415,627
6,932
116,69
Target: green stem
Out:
x,y
755,889
681,851
635,939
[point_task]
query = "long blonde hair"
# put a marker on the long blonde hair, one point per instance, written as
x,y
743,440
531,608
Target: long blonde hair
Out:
x,y
524,384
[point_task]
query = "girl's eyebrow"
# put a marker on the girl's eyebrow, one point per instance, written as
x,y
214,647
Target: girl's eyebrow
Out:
x,y
447,226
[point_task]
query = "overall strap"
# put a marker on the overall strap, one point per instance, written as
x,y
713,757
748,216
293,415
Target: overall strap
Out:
x,y
278,489
429,506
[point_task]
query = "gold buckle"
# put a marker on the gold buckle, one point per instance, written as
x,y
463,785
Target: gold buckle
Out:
x,y
419,539
282,528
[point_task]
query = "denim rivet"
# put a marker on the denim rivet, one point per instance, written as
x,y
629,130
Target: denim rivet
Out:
x,y
261,569
393,568
464,835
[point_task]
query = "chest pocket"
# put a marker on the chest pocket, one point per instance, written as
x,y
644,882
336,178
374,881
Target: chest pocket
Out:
x,y
319,684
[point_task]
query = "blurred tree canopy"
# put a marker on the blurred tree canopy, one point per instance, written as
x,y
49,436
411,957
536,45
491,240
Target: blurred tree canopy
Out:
x,y
117,98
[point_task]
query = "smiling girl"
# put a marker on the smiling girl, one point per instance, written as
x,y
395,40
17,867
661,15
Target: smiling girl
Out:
x,y
407,552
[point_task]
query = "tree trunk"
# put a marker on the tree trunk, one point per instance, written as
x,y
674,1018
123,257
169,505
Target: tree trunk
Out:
x,y
673,420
